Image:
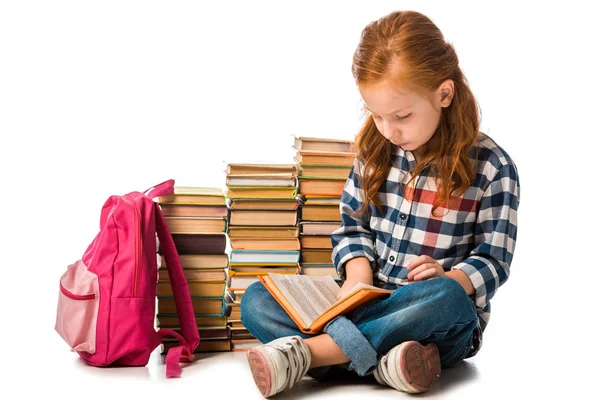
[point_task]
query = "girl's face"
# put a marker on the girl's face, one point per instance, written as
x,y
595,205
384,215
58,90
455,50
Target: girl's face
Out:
x,y
402,116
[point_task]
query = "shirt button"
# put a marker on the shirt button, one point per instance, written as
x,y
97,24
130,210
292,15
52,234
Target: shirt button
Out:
x,y
402,216
392,258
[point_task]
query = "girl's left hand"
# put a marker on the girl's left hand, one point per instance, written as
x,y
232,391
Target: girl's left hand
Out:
x,y
424,267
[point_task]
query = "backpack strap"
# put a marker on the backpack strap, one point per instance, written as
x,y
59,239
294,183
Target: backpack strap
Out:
x,y
161,189
176,354
181,292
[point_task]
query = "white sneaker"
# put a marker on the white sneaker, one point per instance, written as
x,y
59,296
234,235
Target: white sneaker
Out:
x,y
279,364
409,367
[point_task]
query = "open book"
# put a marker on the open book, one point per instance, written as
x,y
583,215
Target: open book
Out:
x,y
311,301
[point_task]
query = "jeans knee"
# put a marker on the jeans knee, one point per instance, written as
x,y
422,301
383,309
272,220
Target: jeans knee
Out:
x,y
451,288
253,302
454,294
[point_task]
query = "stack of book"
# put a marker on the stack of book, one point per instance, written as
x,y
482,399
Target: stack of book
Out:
x,y
197,219
324,165
262,231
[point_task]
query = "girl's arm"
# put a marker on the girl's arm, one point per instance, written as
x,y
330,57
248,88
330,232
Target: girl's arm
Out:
x,y
353,242
463,279
487,266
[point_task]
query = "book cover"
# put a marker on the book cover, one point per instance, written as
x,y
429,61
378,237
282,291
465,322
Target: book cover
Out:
x,y
318,171
266,256
324,158
257,192
195,275
199,261
263,217
263,204
256,169
193,210
199,244
253,181
315,256
316,242
194,195
261,269
197,289
326,187
320,213
318,227
263,231
318,270
241,282
311,301
264,243
199,225
322,144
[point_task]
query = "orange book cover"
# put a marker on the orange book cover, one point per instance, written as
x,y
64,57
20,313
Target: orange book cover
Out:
x,y
315,157
325,187
263,217
321,213
314,302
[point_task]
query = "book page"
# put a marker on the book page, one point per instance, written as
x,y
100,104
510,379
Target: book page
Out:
x,y
356,288
360,285
309,295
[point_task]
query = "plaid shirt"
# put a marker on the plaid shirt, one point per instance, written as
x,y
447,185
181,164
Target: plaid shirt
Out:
x,y
476,233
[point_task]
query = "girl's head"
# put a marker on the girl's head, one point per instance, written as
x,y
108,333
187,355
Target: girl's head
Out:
x,y
416,97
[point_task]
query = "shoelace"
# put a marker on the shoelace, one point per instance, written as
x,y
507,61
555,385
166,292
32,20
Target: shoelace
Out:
x,y
297,358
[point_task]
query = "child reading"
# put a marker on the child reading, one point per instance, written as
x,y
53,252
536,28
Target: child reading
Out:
x,y
429,210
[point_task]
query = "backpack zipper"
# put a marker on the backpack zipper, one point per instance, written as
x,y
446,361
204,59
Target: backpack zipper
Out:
x,y
138,247
74,296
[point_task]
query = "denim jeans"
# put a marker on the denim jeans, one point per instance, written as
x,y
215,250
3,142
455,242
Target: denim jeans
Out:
x,y
436,311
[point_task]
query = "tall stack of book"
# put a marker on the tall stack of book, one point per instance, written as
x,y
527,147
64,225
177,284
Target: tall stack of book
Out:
x,y
197,219
262,230
324,165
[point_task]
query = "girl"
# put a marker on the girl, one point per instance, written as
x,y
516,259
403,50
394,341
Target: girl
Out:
x,y
429,209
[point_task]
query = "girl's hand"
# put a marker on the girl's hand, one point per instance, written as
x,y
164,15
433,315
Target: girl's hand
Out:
x,y
357,270
423,268
345,288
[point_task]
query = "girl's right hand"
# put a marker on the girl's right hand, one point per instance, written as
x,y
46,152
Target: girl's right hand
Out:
x,y
357,270
345,288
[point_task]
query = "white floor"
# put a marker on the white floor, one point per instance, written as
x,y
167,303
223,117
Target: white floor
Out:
x,y
500,370
541,342
543,346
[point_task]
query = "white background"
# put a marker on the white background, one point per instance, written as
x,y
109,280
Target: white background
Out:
x,y
101,98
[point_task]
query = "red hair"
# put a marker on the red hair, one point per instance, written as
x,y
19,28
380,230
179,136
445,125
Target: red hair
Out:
x,y
407,47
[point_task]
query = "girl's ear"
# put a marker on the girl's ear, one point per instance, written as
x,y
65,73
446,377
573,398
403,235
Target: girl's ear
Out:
x,y
446,93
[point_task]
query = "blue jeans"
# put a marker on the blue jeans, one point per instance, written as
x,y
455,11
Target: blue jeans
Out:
x,y
436,311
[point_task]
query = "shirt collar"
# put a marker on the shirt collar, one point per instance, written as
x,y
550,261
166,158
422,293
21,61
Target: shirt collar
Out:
x,y
404,159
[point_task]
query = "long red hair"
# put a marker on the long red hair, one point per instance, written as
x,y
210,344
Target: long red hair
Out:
x,y
412,40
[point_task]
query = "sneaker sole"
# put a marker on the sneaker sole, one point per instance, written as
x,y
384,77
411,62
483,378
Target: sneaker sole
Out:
x,y
260,371
419,365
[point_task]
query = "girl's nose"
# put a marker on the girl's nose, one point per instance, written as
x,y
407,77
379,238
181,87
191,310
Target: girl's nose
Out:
x,y
388,130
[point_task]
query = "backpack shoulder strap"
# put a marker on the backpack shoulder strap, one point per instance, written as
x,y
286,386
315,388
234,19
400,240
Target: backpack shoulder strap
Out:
x,y
161,189
181,292
190,337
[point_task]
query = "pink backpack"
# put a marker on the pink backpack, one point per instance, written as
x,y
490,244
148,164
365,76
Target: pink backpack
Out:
x,y
106,304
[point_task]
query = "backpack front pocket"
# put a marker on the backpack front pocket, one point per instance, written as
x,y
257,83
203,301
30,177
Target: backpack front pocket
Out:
x,y
77,313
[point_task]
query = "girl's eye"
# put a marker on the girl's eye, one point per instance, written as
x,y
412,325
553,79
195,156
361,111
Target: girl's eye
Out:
x,y
406,116
376,116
